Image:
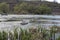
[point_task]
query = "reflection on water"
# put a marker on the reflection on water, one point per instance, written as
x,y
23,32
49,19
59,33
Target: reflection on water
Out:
x,y
11,21
11,25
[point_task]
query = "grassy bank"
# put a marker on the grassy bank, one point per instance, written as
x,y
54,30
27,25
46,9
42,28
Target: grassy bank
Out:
x,y
38,33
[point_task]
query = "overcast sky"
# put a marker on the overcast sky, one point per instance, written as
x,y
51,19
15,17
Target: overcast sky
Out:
x,y
49,0
53,0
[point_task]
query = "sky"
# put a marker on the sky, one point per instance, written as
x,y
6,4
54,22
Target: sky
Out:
x,y
53,0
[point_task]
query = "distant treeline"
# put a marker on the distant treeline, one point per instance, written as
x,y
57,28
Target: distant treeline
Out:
x,y
31,7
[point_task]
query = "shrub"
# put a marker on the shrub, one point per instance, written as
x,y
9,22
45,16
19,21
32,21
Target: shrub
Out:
x,y
4,7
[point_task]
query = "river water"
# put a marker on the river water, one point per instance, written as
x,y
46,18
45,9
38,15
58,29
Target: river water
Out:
x,y
32,21
10,25
41,20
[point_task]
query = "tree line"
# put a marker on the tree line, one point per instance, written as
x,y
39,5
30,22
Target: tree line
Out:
x,y
25,8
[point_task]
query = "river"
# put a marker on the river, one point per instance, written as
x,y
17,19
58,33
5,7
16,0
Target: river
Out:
x,y
16,20
9,22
